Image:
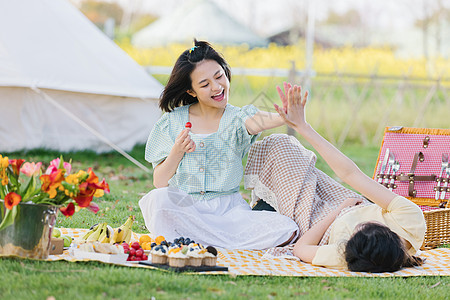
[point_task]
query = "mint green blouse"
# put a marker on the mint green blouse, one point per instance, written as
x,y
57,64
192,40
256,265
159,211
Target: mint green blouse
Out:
x,y
215,167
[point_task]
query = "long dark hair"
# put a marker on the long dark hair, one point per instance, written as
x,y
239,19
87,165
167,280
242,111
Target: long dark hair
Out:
x,y
375,248
175,93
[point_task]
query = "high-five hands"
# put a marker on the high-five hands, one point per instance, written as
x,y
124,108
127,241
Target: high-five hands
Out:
x,y
284,101
293,111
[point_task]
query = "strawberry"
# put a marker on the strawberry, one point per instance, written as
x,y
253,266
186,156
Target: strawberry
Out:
x,y
139,252
135,245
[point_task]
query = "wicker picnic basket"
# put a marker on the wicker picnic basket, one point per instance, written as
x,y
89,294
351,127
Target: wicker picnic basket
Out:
x,y
438,228
420,175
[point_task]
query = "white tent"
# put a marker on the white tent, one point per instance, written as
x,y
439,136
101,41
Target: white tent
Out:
x,y
65,86
201,19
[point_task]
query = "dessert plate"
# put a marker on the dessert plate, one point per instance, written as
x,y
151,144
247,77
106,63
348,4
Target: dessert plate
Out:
x,y
186,268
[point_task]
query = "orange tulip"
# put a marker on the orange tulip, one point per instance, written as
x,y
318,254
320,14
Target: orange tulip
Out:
x,y
52,182
12,199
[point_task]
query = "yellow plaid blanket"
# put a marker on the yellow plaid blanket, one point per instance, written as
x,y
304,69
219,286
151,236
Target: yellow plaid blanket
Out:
x,y
246,262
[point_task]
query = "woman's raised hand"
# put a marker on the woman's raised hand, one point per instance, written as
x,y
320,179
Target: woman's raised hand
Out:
x,y
293,111
284,101
183,142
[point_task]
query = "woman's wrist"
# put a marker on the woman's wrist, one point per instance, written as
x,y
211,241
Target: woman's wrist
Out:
x,y
176,154
302,128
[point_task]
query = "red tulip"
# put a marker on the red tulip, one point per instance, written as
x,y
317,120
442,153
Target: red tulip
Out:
x,y
69,210
16,164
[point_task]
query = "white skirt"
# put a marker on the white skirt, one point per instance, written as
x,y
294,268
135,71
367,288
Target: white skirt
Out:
x,y
225,221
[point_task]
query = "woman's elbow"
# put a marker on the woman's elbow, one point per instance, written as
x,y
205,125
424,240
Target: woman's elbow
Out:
x,y
304,252
252,129
297,251
157,185
352,174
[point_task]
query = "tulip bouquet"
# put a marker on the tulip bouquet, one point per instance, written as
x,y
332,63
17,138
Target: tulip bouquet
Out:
x,y
58,186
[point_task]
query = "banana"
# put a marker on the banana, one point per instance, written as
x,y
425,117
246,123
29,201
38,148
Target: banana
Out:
x,y
110,231
127,238
95,235
93,227
104,237
83,239
103,231
128,231
120,234
90,231
117,236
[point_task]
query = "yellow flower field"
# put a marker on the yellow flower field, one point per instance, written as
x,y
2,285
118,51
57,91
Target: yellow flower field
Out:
x,y
345,109
362,61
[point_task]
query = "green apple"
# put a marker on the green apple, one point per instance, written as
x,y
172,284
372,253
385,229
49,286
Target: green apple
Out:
x,y
56,232
67,240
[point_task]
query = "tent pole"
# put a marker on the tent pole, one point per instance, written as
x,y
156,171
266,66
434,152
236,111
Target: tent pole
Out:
x,y
90,129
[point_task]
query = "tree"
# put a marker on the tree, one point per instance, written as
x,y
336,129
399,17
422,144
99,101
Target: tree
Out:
x,y
430,16
348,18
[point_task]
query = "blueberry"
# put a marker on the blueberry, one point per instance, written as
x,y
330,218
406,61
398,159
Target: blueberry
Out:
x,y
181,240
175,241
152,245
187,241
164,243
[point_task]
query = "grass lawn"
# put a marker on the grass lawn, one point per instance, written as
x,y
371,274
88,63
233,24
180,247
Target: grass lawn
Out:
x,y
29,279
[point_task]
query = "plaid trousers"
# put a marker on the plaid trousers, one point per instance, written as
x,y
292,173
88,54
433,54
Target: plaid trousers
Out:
x,y
282,172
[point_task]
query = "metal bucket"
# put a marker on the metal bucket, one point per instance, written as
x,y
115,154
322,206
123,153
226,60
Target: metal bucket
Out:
x,y
29,235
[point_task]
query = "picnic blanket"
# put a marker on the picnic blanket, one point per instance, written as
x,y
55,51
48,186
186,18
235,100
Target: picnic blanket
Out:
x,y
283,173
247,262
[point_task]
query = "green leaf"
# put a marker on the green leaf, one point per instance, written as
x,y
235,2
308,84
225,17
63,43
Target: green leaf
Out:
x,y
30,190
9,217
61,162
2,192
14,181
26,190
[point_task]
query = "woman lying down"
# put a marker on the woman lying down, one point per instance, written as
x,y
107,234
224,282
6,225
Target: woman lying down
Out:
x,y
355,234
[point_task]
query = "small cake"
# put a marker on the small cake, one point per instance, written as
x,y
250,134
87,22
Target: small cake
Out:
x,y
177,258
159,254
210,257
195,254
173,246
182,241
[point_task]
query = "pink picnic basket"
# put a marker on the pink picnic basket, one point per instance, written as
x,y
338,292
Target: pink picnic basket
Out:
x,y
414,163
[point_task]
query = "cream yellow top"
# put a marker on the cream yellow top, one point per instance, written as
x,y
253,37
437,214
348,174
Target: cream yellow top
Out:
x,y
402,216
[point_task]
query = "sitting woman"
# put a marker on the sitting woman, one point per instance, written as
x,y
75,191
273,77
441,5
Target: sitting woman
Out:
x,y
356,235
